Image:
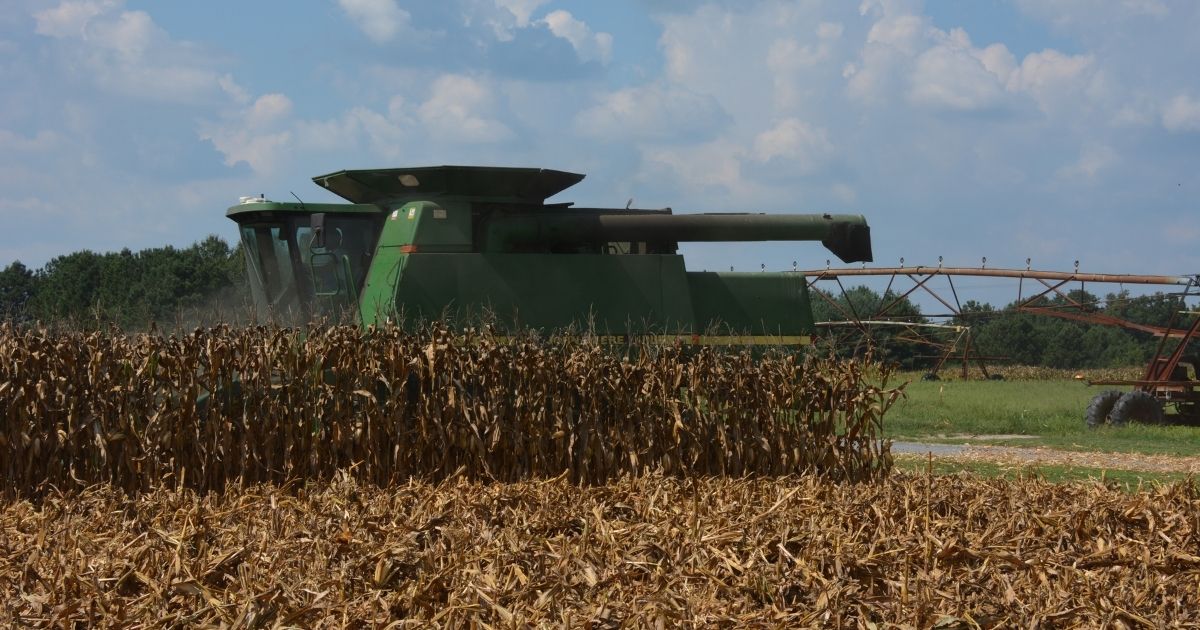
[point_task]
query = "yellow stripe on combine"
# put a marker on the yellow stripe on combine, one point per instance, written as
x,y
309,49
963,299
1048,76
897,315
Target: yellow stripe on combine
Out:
x,y
712,340
699,340
742,340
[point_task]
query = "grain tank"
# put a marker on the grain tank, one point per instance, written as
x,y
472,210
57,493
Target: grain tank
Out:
x,y
453,242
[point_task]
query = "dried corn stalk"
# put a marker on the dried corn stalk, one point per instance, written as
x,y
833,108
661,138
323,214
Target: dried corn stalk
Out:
x,y
271,405
784,552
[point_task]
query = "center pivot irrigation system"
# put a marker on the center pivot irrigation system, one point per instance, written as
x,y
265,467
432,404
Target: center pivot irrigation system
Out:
x,y
1165,392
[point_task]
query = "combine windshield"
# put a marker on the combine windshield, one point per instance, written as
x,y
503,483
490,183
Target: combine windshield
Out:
x,y
294,278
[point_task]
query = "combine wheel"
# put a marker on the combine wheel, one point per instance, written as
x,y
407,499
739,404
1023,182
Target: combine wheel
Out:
x,y
1101,407
1137,406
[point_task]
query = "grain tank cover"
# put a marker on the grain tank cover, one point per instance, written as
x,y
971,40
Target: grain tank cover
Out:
x,y
479,183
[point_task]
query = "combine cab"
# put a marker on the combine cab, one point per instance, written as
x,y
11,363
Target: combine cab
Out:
x,y
454,242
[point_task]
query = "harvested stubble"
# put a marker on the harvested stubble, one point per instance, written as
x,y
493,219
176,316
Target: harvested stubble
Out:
x,y
647,551
1040,373
273,405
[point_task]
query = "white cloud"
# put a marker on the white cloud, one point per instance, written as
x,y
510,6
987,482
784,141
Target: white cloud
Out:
x,y
790,61
655,111
713,167
461,109
229,86
830,30
1093,159
903,33
1182,114
1140,111
127,52
255,136
787,54
69,19
1051,77
268,109
131,34
795,141
953,78
944,70
844,193
761,60
588,45
522,10
891,43
385,134
380,20
998,60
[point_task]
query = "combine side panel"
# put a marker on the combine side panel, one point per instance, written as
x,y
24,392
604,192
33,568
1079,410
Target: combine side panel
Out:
x,y
550,291
771,304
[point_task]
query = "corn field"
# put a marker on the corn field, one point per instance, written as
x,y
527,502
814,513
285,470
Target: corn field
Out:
x,y
269,404
651,551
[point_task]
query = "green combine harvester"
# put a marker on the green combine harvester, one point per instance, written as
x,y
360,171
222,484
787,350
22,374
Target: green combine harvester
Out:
x,y
419,244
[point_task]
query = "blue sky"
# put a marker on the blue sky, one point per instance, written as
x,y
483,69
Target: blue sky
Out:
x,y
1051,129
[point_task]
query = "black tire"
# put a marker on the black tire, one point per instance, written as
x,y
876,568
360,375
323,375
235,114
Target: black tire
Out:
x,y
1099,410
930,376
1136,406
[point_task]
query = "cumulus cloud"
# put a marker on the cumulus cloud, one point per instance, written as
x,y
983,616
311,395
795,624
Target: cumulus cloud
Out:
x,y
1182,114
712,167
255,136
1050,76
891,43
790,58
588,45
235,91
901,32
944,70
380,20
794,141
386,133
461,109
127,52
844,193
1092,159
656,111
521,10
760,60
788,54
951,77
70,19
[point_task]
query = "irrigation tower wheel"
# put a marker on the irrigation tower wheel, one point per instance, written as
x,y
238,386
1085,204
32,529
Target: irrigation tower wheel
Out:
x,y
1101,407
1138,406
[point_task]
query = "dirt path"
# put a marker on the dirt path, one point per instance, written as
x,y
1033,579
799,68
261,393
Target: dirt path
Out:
x,y
1024,456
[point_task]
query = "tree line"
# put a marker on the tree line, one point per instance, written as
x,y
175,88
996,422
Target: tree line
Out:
x,y
131,290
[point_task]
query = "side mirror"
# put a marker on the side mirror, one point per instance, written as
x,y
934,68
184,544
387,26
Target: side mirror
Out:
x,y
318,228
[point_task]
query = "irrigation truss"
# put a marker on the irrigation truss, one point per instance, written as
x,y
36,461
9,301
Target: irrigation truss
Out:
x,y
952,340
